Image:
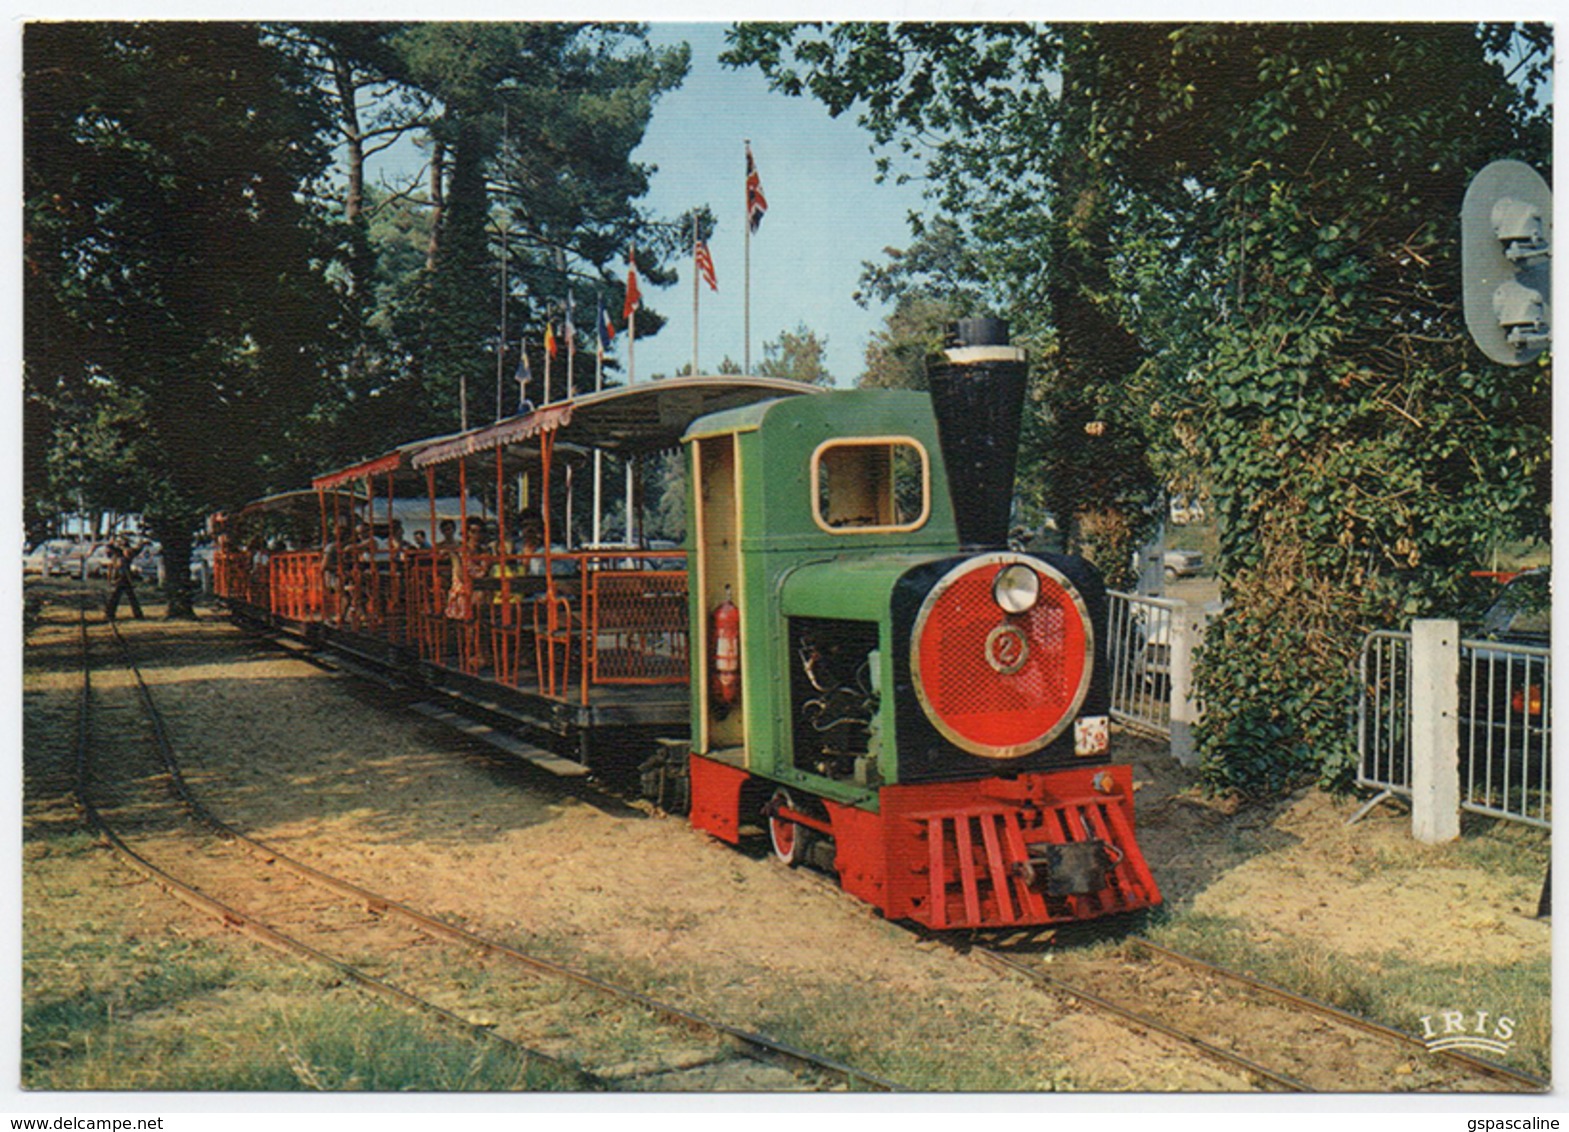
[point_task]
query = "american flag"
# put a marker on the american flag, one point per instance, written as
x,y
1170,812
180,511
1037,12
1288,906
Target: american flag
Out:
x,y
756,202
705,265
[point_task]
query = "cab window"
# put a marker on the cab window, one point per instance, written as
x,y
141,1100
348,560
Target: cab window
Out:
x,y
871,484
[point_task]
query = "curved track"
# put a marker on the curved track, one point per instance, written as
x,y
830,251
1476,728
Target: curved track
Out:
x,y
1281,1040
1270,1036
386,948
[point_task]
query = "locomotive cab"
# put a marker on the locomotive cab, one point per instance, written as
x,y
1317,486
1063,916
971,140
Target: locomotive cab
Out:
x,y
925,706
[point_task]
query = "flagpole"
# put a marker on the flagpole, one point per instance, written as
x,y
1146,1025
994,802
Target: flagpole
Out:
x,y
631,379
694,293
501,339
571,336
746,285
599,383
632,322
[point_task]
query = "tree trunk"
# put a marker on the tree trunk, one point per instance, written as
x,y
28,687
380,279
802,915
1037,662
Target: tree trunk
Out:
x,y
353,136
438,160
176,539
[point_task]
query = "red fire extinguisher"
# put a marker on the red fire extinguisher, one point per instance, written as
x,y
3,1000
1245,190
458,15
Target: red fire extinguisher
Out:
x,y
727,655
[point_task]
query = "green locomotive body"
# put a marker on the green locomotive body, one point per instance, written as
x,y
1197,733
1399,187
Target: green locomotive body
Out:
x,y
865,683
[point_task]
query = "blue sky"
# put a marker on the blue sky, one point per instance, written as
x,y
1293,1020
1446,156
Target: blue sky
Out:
x,y
826,213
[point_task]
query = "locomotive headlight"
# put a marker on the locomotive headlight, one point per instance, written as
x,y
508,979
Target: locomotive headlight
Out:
x,y
1017,588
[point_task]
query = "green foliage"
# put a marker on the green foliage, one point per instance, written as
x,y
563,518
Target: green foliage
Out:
x,y
515,100
896,355
173,266
1233,249
934,281
210,313
796,355
1364,456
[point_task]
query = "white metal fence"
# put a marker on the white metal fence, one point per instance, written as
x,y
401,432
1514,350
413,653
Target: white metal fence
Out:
x,y
1502,701
1384,713
1506,730
1140,656
1152,648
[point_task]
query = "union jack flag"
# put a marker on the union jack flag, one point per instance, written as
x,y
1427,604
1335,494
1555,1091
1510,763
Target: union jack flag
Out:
x,y
705,265
756,202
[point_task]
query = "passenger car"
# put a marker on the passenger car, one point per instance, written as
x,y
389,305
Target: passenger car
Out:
x,y
1506,682
45,556
1182,564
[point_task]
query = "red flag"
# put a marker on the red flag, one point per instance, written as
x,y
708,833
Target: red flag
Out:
x,y
705,265
550,340
633,296
756,203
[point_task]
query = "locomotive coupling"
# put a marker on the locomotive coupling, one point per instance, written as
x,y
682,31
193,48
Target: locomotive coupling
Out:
x,y
1074,868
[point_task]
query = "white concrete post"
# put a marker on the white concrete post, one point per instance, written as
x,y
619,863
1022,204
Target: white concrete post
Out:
x,y
1186,625
1435,730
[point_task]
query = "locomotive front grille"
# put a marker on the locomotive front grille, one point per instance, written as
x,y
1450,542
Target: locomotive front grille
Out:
x,y
994,683
996,868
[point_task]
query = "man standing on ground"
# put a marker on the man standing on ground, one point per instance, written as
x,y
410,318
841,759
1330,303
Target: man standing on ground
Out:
x,y
120,557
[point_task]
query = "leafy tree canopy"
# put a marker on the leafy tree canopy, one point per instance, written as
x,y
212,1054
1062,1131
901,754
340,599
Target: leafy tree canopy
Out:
x,y
1235,248
171,264
797,355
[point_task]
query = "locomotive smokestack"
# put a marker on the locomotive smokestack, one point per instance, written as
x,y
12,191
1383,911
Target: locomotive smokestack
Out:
x,y
977,391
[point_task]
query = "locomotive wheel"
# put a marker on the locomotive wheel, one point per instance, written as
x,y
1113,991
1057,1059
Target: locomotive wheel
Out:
x,y
790,841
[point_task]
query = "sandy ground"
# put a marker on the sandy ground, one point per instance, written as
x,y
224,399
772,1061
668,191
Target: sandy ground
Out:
x,y
326,768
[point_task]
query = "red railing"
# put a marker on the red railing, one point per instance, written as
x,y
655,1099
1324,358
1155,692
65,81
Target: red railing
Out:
x,y
296,584
580,620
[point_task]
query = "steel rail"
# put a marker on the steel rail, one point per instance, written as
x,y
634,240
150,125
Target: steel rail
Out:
x,y
1475,1064
1235,1061
237,920
759,1047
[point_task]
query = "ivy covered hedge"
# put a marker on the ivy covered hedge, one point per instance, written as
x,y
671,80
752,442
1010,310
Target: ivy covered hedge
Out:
x,y
1365,455
1234,249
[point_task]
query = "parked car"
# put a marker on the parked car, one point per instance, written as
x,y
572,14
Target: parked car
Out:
x,y
1522,611
76,556
45,556
1506,680
147,560
1182,564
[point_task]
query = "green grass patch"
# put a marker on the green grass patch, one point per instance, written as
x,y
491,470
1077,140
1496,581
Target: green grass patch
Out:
x,y
247,1045
920,1041
1395,990
110,1012
1503,847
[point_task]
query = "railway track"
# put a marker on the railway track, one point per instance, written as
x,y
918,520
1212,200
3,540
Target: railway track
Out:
x,y
1280,1040
1265,1035
573,1030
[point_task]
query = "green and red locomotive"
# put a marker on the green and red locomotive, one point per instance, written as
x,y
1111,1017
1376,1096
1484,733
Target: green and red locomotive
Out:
x,y
861,664
916,708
